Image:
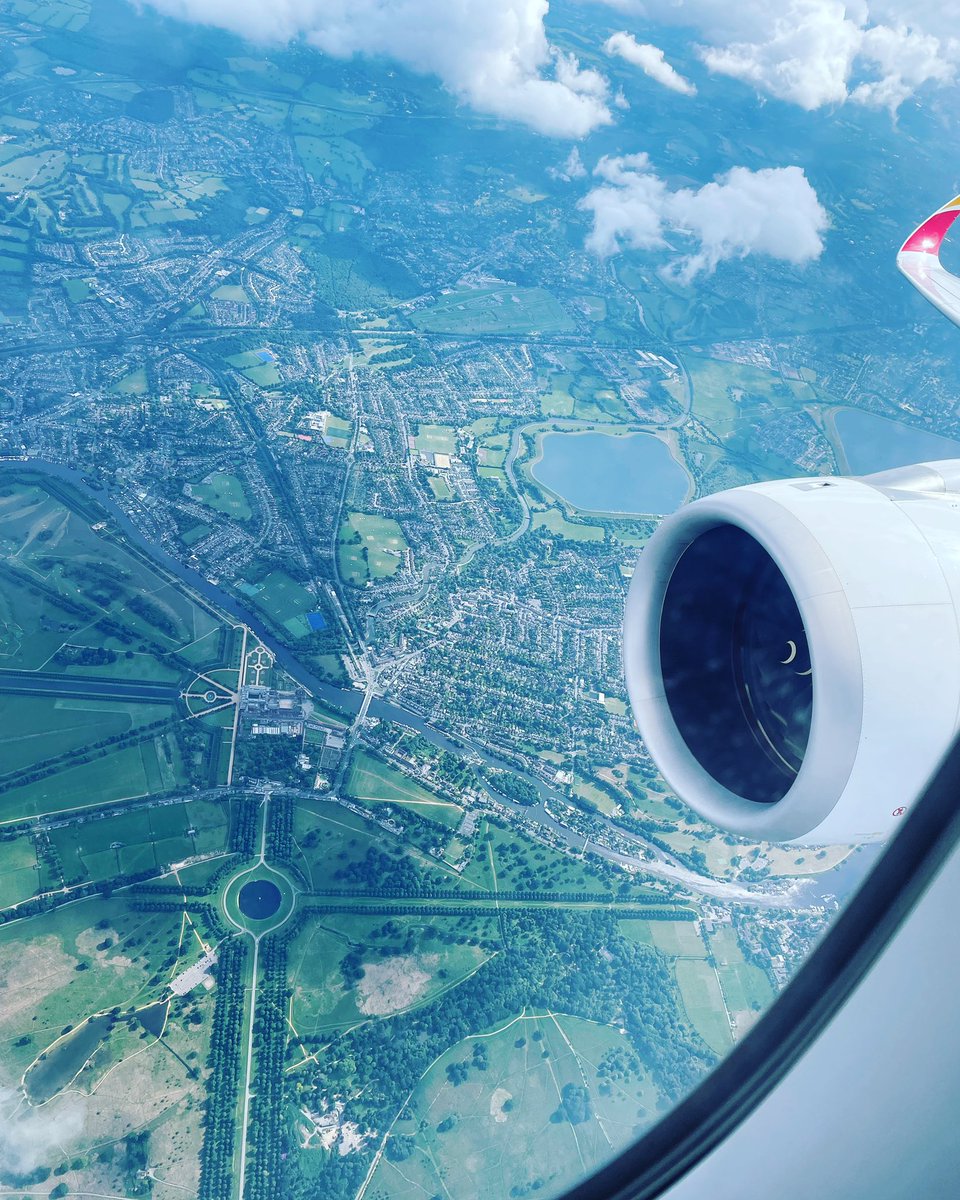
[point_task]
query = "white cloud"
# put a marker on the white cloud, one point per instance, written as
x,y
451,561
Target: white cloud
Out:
x,y
491,54
650,60
774,211
29,1136
572,168
821,52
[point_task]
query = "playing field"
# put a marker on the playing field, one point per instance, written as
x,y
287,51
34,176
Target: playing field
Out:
x,y
369,547
224,493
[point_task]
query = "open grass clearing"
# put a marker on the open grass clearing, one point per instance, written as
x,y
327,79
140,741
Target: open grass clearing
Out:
x,y
224,493
370,778
369,547
503,1126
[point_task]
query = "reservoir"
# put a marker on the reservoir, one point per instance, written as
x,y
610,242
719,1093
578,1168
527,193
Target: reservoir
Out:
x,y
259,899
601,473
873,443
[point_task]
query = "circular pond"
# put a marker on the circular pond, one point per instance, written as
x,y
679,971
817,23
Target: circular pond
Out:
x,y
259,899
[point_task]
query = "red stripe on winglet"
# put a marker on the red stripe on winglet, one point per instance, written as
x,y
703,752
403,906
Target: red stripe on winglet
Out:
x,y
928,237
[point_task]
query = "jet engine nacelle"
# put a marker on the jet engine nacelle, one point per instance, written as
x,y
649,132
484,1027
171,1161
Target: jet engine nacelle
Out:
x,y
792,651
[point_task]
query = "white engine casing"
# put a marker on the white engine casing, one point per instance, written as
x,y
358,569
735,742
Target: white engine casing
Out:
x,y
874,567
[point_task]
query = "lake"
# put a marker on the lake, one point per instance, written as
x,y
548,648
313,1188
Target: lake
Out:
x,y
873,443
601,473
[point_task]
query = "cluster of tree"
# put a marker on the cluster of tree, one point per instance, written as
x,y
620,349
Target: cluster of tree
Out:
x,y
280,829
84,656
549,960
152,613
223,1084
133,1164
244,825
514,787
654,912
266,757
380,874
574,1104
268,1127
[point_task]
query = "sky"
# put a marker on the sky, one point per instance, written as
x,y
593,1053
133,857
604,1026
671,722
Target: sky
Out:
x,y
496,57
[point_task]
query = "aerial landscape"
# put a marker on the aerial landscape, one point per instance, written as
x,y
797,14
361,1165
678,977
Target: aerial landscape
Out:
x,y
336,405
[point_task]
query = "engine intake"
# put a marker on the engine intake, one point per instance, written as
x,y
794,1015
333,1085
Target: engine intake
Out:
x,y
792,651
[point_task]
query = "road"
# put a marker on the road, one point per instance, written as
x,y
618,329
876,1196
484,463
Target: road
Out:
x,y
252,1009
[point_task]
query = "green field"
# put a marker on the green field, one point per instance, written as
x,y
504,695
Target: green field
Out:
x,y
746,988
224,493
440,488
506,1118
284,600
704,1002
503,310
436,439
369,547
678,939
113,641
143,839
405,962
370,778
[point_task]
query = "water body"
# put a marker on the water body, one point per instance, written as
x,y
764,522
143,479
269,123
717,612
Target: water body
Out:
x,y
873,443
59,1066
259,899
598,472
346,699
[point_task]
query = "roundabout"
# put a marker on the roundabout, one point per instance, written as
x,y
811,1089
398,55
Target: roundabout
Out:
x,y
258,899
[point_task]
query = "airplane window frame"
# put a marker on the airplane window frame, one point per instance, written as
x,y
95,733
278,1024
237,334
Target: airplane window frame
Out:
x,y
860,932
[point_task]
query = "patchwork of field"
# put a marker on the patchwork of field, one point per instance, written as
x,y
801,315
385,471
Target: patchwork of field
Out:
x,y
356,967
531,1105
96,646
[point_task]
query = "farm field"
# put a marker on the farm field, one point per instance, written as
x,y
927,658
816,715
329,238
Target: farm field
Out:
x,y
530,1104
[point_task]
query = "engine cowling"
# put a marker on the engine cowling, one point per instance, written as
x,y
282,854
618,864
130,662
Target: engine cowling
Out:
x,y
792,651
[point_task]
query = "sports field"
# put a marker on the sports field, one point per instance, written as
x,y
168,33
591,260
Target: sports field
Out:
x,y
224,493
369,547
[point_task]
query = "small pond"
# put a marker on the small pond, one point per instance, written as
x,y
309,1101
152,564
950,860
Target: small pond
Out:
x,y
259,899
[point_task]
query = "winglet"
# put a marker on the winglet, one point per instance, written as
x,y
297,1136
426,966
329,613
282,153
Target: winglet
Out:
x,y
919,260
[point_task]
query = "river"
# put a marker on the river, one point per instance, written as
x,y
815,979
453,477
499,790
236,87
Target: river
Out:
x,y
349,700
